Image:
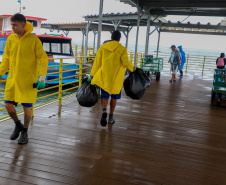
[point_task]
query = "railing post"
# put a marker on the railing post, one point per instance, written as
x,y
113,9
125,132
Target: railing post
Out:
x,y
136,59
76,53
203,64
131,57
60,83
80,71
187,63
32,112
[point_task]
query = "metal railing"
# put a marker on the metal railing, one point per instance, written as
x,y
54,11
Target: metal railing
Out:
x,y
84,68
194,63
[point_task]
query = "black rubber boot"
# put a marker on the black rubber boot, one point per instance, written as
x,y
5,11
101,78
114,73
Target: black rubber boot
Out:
x,y
18,128
23,137
103,120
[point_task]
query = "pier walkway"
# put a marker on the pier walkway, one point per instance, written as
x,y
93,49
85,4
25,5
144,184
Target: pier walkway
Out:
x,y
173,136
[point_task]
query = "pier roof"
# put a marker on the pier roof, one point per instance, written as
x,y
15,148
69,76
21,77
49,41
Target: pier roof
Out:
x,y
130,19
182,7
126,19
79,26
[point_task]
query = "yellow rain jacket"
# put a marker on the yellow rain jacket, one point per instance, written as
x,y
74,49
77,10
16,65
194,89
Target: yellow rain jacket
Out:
x,y
108,69
22,56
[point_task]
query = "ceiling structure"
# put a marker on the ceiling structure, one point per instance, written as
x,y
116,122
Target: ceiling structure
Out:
x,y
79,27
130,19
182,7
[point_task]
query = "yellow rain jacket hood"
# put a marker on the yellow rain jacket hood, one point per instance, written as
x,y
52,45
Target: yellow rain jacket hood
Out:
x,y
108,69
26,60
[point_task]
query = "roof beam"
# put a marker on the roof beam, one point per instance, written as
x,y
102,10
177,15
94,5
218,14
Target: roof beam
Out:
x,y
192,32
196,26
116,17
183,3
78,27
192,13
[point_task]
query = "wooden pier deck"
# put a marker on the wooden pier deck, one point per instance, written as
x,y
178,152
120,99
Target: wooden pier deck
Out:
x,y
173,136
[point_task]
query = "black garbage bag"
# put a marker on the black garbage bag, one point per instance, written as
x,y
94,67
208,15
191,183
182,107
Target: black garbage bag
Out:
x,y
87,94
136,83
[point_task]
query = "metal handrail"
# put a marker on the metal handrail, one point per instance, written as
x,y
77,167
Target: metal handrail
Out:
x,y
60,85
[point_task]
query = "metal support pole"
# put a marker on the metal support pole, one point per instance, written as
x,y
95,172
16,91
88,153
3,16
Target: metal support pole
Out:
x,y
76,53
158,44
116,24
100,23
126,33
80,71
66,33
32,112
94,40
87,35
203,64
187,64
127,39
137,35
148,33
83,34
60,83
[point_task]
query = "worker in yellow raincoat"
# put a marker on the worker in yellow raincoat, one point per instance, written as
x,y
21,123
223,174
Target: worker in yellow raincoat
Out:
x,y
108,73
27,62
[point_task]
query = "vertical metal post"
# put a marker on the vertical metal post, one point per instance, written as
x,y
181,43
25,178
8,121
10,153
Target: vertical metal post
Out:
x,y
32,112
100,23
127,38
158,44
137,35
87,36
203,64
82,43
80,71
148,33
60,83
76,53
94,40
187,63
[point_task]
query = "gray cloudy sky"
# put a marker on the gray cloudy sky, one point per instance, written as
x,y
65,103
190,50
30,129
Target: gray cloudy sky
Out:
x,y
63,11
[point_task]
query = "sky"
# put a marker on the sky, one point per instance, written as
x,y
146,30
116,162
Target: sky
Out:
x,y
70,11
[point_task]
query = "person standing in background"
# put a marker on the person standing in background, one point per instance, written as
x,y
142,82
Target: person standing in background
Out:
x,y
221,61
175,61
183,61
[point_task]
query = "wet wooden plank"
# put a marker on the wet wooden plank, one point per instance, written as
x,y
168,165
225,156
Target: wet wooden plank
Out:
x,y
173,136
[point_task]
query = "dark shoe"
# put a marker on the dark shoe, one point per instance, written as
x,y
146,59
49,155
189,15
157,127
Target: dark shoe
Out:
x,y
111,120
103,120
170,81
23,138
18,128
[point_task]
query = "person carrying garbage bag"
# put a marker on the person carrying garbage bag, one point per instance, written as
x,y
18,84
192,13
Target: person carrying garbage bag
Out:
x,y
183,61
108,73
27,62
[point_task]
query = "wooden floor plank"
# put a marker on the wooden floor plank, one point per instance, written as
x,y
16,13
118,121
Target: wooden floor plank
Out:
x,y
174,135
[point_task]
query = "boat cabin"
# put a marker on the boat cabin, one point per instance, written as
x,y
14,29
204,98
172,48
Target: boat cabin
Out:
x,y
53,44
